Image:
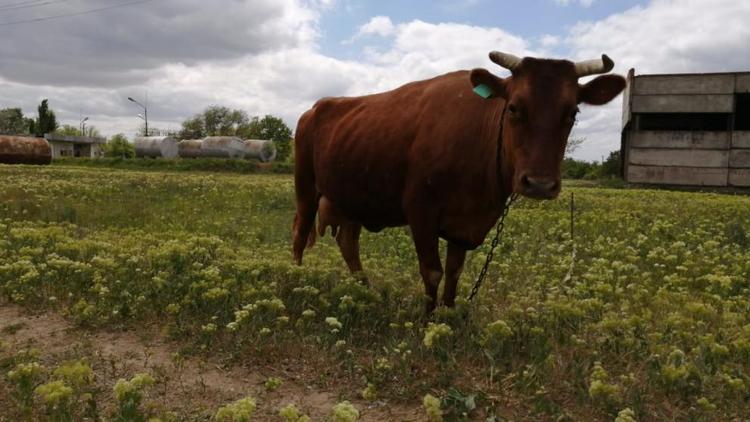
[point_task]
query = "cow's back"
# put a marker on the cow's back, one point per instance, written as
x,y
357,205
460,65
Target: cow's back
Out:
x,y
371,152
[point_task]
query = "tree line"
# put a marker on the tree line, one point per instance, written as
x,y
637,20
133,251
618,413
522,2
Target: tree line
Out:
x,y
13,122
213,121
573,168
223,121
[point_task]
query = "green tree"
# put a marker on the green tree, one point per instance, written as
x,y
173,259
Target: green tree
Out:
x,y
119,146
12,122
92,132
611,166
573,144
46,122
576,169
274,129
193,128
215,121
68,130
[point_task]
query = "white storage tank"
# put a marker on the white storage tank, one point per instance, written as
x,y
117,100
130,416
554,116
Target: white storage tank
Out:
x,y
156,147
259,149
212,147
223,147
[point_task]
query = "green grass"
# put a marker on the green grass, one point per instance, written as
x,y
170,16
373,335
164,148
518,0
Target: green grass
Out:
x,y
219,165
655,316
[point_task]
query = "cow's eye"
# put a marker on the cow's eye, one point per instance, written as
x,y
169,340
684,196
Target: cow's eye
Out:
x,y
513,111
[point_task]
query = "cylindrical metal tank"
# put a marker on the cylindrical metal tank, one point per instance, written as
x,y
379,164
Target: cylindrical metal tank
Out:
x,y
212,147
190,148
223,147
260,149
24,150
156,147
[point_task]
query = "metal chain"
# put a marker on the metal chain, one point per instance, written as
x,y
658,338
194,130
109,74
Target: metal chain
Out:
x,y
501,221
498,231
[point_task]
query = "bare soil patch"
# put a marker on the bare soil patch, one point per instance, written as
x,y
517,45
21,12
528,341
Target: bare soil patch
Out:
x,y
192,387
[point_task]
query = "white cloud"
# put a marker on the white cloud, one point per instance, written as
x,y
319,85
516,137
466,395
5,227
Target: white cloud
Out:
x,y
671,36
284,81
667,36
379,25
126,45
420,49
549,41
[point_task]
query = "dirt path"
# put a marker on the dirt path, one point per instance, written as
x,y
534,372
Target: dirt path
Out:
x,y
190,386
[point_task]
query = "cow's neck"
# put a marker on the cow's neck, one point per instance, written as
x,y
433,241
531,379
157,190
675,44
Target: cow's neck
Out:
x,y
503,164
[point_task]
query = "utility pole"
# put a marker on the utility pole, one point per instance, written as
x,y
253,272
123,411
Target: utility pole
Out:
x,y
145,112
82,126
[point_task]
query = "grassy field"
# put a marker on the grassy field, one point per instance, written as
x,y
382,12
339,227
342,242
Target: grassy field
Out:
x,y
216,165
649,321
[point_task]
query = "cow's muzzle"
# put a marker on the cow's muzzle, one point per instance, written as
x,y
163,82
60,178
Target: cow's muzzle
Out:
x,y
539,187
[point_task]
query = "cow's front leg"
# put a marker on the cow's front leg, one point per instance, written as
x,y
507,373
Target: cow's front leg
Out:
x,y
454,265
426,242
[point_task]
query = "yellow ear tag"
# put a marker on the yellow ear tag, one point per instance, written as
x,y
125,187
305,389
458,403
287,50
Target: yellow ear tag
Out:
x,y
483,91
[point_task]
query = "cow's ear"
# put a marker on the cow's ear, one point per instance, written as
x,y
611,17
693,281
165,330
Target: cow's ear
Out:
x,y
487,85
601,90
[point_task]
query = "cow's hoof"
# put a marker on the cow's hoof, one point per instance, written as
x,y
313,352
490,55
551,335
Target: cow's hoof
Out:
x,y
429,308
362,278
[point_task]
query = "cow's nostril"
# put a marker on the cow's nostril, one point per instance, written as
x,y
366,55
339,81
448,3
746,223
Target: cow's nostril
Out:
x,y
539,184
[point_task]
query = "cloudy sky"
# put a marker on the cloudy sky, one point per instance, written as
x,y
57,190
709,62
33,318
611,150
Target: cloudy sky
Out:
x,y
279,56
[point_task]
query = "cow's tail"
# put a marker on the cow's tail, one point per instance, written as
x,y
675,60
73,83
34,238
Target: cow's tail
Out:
x,y
304,185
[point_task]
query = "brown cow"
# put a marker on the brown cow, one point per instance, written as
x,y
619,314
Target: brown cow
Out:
x,y
439,158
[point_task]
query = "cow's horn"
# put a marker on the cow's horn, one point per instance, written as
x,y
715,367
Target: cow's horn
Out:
x,y
505,60
595,66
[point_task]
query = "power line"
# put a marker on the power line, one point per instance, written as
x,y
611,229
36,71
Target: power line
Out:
x,y
29,4
15,4
85,12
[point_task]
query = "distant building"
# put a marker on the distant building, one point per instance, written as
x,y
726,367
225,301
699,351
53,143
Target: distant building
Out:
x,y
75,146
687,129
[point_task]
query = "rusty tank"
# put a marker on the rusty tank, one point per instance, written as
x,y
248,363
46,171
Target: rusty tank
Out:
x,y
24,150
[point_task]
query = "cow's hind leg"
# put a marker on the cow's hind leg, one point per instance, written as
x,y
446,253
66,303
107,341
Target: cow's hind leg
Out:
x,y
304,219
424,233
348,241
454,265
304,235
306,192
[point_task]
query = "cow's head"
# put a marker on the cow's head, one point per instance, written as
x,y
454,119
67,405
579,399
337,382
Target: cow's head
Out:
x,y
542,98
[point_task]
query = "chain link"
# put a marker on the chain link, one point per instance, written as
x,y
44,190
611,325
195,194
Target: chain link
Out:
x,y
498,231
